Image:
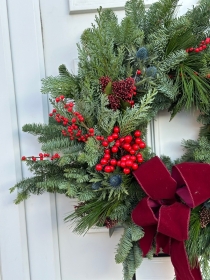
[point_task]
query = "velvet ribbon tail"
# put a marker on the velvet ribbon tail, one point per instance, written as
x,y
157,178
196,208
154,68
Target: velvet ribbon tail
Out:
x,y
180,262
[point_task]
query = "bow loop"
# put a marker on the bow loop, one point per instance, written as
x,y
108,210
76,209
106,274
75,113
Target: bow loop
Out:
x,y
166,218
155,180
193,184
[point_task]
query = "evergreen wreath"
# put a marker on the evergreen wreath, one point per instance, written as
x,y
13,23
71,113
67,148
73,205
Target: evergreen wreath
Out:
x,y
94,147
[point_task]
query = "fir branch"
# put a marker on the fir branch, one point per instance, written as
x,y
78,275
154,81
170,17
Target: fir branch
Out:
x,y
167,87
135,9
57,144
45,131
173,60
132,262
160,14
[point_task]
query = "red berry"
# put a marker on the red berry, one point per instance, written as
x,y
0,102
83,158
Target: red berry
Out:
x,y
197,50
73,120
123,164
142,145
133,158
107,169
127,157
138,140
103,161
135,147
117,143
135,166
204,47
119,163
111,168
57,99
122,139
116,129
62,97
139,155
23,158
123,158
137,133
115,135
98,138
107,151
207,40
134,88
110,138
126,171
129,163
132,152
127,146
128,138
33,158
114,149
140,159
107,156
113,162
51,114
138,72
105,144
99,167
54,111
91,130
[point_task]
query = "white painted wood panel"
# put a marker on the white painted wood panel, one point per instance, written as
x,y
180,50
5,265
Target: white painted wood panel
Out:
x,y
27,75
14,260
169,134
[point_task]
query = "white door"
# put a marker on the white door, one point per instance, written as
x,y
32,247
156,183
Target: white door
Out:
x,y
35,244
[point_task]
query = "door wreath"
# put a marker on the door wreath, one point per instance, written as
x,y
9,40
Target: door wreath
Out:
x,y
94,147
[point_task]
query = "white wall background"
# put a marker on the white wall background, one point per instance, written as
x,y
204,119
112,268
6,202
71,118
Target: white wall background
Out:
x,y
35,244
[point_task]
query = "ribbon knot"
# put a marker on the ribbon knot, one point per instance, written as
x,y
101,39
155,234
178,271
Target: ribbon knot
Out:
x,y
165,213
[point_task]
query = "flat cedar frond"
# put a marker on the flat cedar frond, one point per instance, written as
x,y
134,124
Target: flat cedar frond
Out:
x,y
57,86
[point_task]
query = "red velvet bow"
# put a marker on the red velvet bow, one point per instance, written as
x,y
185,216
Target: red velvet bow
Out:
x,y
163,215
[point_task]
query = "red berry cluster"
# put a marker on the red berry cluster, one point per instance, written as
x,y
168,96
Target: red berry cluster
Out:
x,y
202,46
121,90
59,98
40,157
55,156
110,223
72,124
104,82
128,147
